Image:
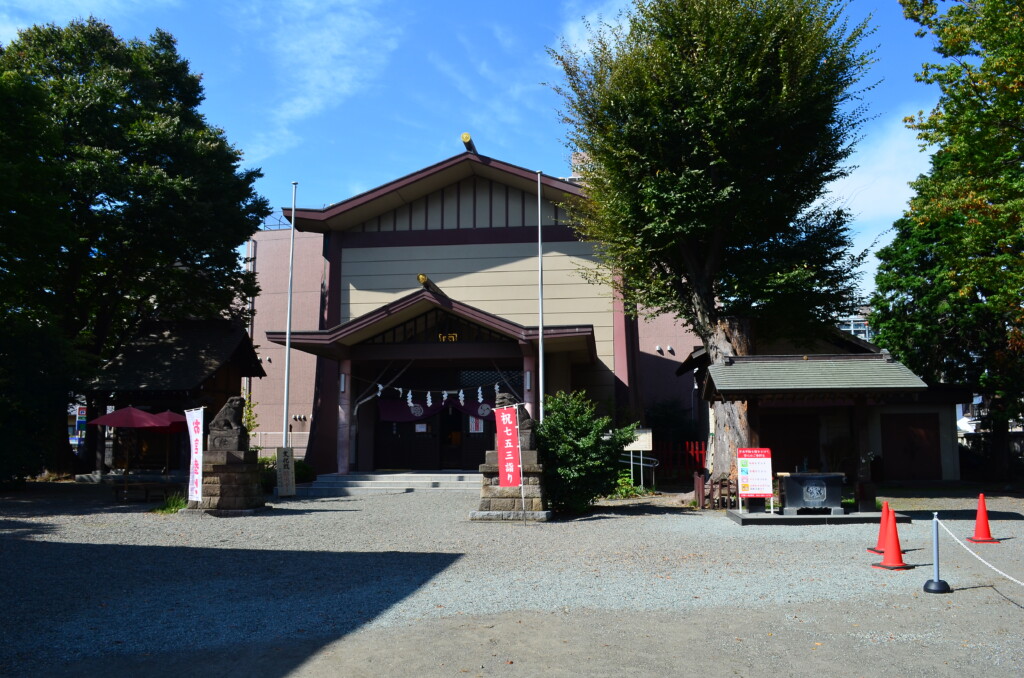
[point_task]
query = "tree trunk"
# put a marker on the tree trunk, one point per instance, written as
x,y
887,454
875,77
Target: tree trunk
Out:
x,y
731,337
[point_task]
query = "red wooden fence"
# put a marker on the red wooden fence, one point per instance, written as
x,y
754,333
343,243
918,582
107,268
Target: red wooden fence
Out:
x,y
679,460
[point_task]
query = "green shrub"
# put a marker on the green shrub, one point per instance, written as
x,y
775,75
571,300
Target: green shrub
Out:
x,y
580,452
268,474
173,503
625,489
304,473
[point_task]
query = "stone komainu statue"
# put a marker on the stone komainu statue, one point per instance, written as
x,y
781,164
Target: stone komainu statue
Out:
x,y
527,439
230,416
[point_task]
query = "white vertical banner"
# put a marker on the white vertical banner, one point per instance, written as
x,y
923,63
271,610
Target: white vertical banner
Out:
x,y
194,420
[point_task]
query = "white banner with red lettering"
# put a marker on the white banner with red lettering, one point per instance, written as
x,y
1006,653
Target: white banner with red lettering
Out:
x,y
194,421
506,420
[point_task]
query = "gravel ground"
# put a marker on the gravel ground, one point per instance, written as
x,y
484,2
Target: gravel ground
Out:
x,y
407,585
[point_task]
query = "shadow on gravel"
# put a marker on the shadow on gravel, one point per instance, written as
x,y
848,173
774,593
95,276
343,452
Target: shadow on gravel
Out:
x,y
67,499
81,499
131,605
951,490
961,514
630,511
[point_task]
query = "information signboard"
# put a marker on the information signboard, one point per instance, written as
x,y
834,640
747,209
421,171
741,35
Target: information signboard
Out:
x,y
754,466
643,442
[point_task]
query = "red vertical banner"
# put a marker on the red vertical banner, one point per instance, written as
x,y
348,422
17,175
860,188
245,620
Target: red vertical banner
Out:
x,y
507,425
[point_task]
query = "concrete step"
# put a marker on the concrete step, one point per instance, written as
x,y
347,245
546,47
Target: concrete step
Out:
x,y
339,485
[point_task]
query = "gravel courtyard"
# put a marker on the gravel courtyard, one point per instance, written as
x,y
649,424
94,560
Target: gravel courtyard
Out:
x,y
406,585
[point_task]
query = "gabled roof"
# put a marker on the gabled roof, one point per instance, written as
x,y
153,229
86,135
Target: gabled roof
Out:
x,y
335,342
832,341
355,210
744,377
178,356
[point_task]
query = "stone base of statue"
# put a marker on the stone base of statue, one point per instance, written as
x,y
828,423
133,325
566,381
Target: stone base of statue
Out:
x,y
231,474
506,503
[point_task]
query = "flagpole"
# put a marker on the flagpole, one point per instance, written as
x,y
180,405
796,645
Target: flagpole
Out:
x,y
288,324
540,308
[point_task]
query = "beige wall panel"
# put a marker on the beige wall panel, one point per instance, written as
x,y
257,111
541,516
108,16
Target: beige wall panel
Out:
x,y
561,255
515,207
466,203
451,207
419,214
499,205
434,202
547,211
482,191
472,203
402,218
505,285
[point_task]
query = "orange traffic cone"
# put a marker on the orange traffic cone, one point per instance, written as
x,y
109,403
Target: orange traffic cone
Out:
x,y
882,524
982,535
893,559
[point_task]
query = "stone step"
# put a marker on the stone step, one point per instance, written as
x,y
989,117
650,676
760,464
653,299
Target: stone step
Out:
x,y
399,477
345,485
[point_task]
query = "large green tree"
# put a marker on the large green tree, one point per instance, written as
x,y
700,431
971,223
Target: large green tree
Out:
x,y
707,133
119,201
950,286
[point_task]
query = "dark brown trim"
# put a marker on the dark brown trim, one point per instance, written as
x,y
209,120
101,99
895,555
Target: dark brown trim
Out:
x,y
474,236
434,351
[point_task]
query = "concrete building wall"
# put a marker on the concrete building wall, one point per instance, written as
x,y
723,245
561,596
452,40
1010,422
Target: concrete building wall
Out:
x,y
269,249
664,343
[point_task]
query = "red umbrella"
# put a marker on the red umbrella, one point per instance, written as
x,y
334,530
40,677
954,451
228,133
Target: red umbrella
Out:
x,y
130,417
172,422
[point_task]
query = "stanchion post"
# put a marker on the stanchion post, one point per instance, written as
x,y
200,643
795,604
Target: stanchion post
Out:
x,y
935,585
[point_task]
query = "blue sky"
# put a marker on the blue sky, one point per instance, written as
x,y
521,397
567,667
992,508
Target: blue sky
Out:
x,y
344,95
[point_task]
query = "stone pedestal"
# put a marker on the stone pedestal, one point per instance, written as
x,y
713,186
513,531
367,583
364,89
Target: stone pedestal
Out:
x,y
506,503
231,474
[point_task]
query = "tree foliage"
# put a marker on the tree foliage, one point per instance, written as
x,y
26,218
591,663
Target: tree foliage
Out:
x,y
950,285
579,450
709,130
119,201
707,133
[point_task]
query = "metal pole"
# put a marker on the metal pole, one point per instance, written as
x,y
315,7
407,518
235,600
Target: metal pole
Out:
x,y
540,308
288,324
935,585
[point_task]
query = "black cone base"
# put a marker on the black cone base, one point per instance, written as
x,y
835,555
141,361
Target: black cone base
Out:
x,y
933,586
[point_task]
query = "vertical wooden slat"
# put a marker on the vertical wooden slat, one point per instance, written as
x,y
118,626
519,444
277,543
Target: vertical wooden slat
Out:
x,y
418,215
499,205
482,203
435,210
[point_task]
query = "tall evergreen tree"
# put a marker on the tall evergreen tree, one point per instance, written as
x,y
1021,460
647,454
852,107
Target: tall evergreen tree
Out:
x,y
120,202
950,286
708,132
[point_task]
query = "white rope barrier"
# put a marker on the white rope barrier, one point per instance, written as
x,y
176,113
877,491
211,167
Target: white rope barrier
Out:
x,y
977,556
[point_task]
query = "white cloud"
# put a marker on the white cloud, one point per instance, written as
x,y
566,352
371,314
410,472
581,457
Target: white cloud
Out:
x,y
19,14
887,159
574,29
877,192
325,51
